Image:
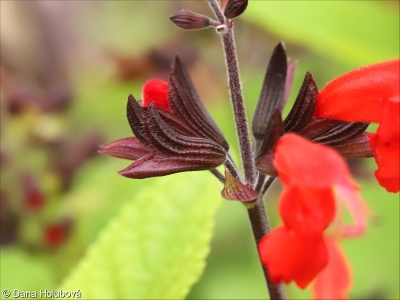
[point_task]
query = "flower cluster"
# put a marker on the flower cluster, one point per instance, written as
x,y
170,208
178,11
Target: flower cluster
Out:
x,y
174,133
317,183
370,94
312,199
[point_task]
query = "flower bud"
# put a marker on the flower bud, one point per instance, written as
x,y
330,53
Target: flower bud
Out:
x,y
187,19
235,8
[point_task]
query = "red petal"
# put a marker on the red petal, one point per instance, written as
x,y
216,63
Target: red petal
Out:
x,y
156,91
360,95
358,209
385,145
292,257
307,164
335,280
307,210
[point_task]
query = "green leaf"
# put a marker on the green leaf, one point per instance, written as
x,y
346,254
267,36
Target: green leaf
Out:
x,y
156,247
355,32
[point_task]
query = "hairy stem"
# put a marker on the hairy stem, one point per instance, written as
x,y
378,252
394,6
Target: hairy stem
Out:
x,y
257,215
235,87
217,11
260,226
239,110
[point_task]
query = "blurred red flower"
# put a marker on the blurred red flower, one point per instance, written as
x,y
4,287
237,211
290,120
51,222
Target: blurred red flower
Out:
x,y
317,184
370,94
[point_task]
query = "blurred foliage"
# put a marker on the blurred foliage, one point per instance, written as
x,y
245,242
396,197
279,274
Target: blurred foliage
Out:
x,y
156,247
327,37
353,32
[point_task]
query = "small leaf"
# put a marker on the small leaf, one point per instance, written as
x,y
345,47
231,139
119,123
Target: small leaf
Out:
x,y
156,247
235,190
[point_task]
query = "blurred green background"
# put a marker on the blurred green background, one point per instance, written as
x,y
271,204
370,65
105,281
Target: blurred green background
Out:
x,y
67,68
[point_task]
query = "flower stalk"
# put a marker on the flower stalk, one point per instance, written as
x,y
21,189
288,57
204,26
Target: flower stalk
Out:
x,y
260,227
257,215
256,212
239,109
235,87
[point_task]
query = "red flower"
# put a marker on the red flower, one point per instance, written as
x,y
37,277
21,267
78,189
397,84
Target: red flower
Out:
x,y
335,279
317,184
290,256
370,94
385,145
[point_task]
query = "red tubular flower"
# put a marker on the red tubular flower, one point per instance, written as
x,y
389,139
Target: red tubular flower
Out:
x,y
335,279
307,209
290,256
370,94
316,179
385,145
360,95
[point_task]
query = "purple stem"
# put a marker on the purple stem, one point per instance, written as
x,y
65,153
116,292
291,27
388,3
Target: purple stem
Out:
x,y
239,109
257,214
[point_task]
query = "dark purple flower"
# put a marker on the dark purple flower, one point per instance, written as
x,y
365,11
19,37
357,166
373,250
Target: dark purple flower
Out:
x,y
173,131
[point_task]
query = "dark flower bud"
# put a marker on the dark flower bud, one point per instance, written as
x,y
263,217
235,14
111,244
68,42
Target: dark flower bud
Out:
x,y
187,19
235,8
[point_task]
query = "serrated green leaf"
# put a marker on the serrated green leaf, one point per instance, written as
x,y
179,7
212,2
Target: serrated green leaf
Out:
x,y
355,32
156,247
